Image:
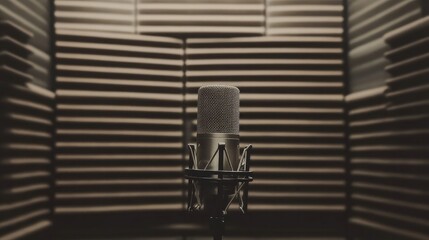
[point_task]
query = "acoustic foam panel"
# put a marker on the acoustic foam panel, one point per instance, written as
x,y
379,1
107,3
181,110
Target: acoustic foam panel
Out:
x,y
25,164
371,160
14,53
304,17
407,98
96,15
291,111
33,16
389,144
388,179
119,123
26,116
368,21
187,18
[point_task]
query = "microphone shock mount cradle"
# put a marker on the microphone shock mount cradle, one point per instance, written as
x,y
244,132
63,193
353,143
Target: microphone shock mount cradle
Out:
x,y
221,180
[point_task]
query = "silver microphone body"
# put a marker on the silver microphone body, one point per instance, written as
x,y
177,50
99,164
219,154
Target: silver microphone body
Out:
x,y
207,144
218,122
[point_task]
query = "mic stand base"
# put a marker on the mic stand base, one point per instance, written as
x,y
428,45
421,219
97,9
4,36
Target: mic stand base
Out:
x,y
217,226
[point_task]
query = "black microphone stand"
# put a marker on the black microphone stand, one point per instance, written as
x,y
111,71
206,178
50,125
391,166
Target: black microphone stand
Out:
x,y
241,178
217,226
217,222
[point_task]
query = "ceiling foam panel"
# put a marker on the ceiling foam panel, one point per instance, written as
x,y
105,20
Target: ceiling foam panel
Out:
x,y
191,18
119,123
96,15
304,17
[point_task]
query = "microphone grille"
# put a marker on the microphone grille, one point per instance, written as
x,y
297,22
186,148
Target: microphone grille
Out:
x,y
218,109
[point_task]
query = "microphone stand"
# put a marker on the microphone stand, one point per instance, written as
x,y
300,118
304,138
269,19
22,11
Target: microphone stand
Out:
x,y
217,222
221,200
217,226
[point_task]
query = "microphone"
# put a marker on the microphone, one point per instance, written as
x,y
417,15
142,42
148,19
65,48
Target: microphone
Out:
x,y
217,173
218,118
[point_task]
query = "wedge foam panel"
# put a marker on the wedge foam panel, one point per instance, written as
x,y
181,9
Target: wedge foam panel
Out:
x,y
26,116
119,123
368,21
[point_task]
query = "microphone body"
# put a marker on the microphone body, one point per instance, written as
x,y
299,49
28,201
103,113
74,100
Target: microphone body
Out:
x,y
218,122
208,144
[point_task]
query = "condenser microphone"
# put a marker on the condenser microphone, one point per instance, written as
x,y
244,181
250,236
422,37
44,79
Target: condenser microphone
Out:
x,y
218,118
217,173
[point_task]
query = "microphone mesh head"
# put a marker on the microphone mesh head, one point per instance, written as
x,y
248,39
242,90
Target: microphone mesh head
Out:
x,y
218,109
